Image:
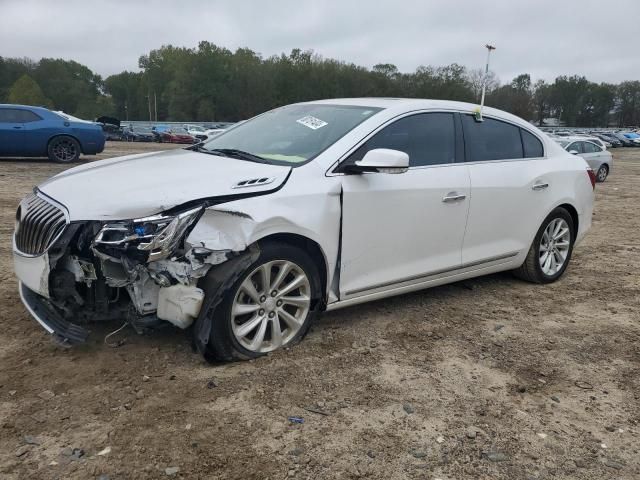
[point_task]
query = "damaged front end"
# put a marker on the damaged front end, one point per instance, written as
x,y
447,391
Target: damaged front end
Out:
x,y
141,271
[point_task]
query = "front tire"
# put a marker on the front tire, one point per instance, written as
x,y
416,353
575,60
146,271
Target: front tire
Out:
x,y
63,149
602,173
550,252
270,305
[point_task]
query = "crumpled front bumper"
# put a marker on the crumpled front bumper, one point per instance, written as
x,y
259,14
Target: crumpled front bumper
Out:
x,y
33,276
64,332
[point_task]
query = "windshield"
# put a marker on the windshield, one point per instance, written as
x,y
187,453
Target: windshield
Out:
x,y
292,134
195,128
631,135
563,143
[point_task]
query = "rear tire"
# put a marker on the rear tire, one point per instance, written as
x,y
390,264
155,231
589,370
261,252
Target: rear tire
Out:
x,y
602,173
63,149
550,252
270,321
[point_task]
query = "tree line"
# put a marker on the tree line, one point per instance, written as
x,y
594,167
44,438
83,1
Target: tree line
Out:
x,y
212,83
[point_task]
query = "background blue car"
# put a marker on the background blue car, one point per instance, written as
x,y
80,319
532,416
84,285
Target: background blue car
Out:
x,y
37,132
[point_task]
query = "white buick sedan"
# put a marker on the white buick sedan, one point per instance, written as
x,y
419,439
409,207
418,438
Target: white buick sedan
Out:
x,y
310,207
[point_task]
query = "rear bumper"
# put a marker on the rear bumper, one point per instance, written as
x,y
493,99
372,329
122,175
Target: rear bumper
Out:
x,y
94,144
64,332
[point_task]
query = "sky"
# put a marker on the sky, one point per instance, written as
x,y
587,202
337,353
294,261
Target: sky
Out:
x,y
541,37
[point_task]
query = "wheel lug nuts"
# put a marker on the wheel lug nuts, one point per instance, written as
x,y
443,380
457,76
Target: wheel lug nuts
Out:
x,y
263,298
279,303
261,311
271,314
274,293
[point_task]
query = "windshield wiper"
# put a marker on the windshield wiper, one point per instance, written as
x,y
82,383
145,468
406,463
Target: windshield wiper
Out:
x,y
199,148
233,153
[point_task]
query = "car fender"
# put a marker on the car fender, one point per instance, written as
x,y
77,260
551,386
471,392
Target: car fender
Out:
x,y
236,225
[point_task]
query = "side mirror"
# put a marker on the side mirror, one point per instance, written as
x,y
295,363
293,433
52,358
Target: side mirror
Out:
x,y
382,160
573,152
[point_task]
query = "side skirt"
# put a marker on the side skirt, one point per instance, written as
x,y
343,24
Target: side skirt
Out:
x,y
433,279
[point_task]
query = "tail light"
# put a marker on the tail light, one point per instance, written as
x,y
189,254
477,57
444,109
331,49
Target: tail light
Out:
x,y
592,177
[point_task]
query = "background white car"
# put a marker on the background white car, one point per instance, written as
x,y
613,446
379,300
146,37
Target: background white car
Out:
x,y
212,132
308,207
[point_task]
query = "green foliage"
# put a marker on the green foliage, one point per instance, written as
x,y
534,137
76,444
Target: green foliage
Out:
x,y
629,103
25,91
517,97
212,83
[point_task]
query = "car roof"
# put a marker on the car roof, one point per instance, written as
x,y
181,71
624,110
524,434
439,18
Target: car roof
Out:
x,y
24,107
409,103
403,105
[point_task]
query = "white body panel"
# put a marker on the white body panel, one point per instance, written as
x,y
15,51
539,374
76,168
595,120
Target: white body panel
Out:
x,y
501,191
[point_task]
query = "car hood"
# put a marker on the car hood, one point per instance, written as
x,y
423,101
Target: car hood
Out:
x,y
140,185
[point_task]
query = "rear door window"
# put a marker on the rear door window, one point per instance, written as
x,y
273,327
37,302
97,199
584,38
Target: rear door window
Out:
x,y
491,140
576,147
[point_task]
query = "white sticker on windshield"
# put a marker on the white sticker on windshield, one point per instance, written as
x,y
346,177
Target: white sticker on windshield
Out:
x,y
312,122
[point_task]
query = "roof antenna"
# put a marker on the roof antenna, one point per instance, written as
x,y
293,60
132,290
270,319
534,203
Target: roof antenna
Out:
x,y
484,82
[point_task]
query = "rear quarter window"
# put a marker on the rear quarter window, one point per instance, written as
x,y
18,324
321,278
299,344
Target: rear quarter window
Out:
x,y
27,116
531,145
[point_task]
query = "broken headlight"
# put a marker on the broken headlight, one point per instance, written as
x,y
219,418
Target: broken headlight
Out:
x,y
159,235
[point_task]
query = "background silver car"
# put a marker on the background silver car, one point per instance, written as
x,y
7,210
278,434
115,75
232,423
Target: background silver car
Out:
x,y
598,158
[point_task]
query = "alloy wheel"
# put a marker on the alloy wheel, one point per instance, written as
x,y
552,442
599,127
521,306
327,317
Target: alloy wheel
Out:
x,y
602,174
554,246
64,150
270,306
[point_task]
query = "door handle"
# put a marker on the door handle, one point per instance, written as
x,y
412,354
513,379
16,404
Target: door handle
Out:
x,y
453,197
540,186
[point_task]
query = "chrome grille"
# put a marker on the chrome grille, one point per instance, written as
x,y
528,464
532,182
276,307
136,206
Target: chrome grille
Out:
x,y
38,225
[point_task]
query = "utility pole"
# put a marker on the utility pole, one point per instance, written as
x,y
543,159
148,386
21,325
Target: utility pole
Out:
x,y
484,81
149,104
155,105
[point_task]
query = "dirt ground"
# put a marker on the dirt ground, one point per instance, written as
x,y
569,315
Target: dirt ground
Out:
x,y
491,378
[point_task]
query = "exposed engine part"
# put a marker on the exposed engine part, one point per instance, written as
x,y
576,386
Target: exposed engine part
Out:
x,y
83,270
180,304
117,343
63,287
142,271
144,293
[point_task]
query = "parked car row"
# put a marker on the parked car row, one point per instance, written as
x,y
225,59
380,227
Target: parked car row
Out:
x,y
187,134
607,139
